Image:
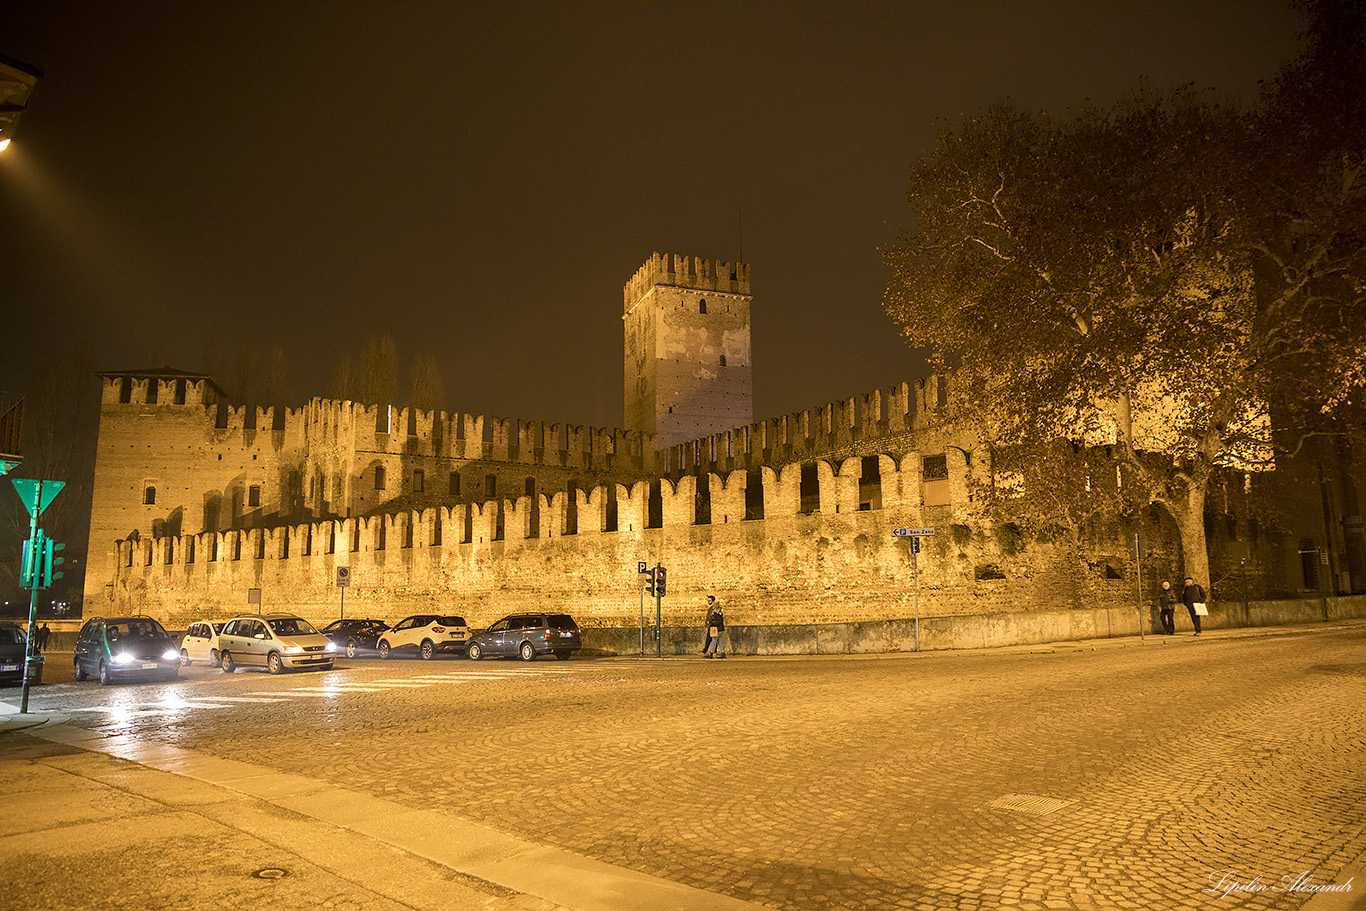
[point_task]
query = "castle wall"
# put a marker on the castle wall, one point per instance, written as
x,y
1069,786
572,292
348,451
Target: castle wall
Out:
x,y
839,564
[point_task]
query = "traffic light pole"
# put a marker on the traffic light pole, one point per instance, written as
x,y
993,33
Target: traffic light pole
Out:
x,y
659,629
34,558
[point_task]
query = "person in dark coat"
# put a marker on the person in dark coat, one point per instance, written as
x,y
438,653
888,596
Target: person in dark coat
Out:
x,y
1191,595
706,644
716,625
1166,606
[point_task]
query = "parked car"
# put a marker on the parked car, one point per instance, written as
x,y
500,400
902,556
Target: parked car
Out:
x,y
273,641
118,648
425,634
355,636
200,643
13,646
528,635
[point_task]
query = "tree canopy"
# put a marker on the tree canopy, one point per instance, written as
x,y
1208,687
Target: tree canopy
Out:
x,y
1170,274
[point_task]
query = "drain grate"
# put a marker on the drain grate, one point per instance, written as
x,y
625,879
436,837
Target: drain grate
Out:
x,y
271,873
1030,804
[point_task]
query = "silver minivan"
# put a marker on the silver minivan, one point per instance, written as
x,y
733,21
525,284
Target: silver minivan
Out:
x,y
275,642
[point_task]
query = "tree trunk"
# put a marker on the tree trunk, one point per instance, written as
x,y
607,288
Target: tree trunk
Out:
x,y
1190,522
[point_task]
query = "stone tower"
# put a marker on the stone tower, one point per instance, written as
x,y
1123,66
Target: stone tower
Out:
x,y
688,370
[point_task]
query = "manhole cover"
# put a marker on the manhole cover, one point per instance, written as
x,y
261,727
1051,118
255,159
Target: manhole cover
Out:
x,y
1030,804
271,873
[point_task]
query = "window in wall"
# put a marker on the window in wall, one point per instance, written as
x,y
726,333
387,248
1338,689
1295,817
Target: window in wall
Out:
x,y
126,390
419,480
254,495
702,305
455,483
490,485
149,496
379,477
935,474
152,388
189,550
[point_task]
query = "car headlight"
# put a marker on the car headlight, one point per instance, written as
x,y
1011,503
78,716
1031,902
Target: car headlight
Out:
x,y
331,646
294,650
170,655
122,658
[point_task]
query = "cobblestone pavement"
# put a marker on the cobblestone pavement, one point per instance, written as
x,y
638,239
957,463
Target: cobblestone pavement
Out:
x,y
1134,777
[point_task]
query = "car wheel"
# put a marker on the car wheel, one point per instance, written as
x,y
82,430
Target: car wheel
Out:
x,y
106,677
80,670
350,648
475,652
527,651
226,662
214,660
427,650
562,654
274,663
384,648
184,658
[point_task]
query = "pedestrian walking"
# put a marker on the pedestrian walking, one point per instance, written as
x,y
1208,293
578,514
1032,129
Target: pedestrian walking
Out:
x,y
1166,604
716,626
43,635
1193,596
706,624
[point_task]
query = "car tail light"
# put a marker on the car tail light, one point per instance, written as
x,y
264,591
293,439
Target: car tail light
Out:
x,y
438,629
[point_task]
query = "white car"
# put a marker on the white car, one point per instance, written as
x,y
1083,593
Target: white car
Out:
x,y
277,641
425,634
200,643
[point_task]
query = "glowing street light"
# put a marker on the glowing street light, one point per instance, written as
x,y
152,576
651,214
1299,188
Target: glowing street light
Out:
x,y
17,80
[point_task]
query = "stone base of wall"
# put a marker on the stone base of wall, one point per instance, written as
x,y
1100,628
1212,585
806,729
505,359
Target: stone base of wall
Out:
x,y
971,632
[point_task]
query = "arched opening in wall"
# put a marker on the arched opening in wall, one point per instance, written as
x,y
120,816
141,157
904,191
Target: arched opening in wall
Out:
x,y
754,494
490,486
355,536
609,519
147,553
702,500
331,539
189,550
125,390
702,305
467,524
380,532
408,531
260,543
213,548
499,523
237,545
149,496
571,508
381,477
284,544
934,473
168,551
435,539
870,484
308,541
152,388
810,490
654,506
419,480
455,483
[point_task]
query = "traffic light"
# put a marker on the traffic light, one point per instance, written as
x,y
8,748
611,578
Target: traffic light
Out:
x,y
650,582
659,582
51,561
31,558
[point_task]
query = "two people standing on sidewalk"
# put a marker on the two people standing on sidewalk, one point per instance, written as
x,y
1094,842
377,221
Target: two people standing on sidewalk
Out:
x,y
716,626
1192,595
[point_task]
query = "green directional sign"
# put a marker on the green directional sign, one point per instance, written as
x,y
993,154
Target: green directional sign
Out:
x,y
37,494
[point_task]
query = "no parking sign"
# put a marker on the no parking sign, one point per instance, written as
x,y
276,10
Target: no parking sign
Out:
x,y
343,576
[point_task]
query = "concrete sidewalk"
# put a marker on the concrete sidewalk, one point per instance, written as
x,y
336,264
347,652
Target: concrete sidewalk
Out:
x,y
114,823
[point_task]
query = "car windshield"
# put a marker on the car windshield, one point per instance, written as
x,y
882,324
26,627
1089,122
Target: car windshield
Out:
x,y
12,635
452,621
561,621
291,626
135,629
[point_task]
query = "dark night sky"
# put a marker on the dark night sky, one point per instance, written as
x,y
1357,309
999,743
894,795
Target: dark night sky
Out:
x,y
480,180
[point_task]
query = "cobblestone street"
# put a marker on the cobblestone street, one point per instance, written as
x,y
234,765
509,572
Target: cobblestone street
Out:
x,y
1115,777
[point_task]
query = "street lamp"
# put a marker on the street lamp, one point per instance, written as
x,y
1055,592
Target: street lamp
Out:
x,y
16,84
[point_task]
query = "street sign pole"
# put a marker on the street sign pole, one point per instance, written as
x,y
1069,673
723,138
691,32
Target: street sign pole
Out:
x,y
659,630
36,499
915,587
1138,560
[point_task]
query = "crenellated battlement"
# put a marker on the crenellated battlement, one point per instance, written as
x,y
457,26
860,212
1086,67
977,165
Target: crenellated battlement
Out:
x,y
883,418
686,272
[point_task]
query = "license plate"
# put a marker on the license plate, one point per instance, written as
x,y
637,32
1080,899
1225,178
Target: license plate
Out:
x,y
9,667
149,667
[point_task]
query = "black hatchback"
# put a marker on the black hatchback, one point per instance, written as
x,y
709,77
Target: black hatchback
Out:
x,y
528,635
355,635
13,646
